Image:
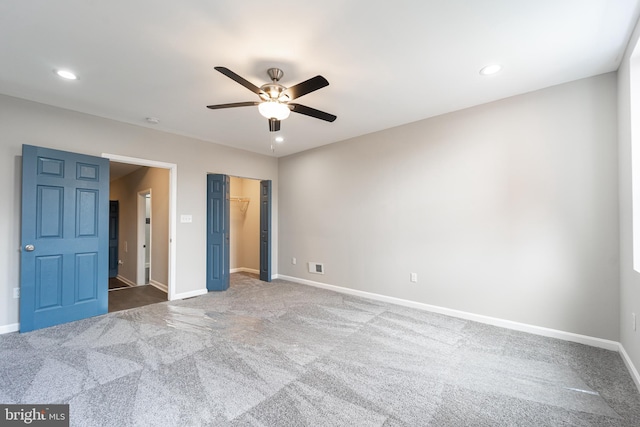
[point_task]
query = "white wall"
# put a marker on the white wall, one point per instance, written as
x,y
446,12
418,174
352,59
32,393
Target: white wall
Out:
x,y
508,210
25,122
629,278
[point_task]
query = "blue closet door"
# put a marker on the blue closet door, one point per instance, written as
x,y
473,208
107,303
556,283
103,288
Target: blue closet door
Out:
x,y
65,237
114,217
265,231
218,232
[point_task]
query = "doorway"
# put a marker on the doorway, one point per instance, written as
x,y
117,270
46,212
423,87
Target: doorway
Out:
x,y
142,196
65,195
148,256
244,231
143,224
238,229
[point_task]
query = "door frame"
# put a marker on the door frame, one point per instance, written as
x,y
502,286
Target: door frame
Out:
x,y
141,250
173,189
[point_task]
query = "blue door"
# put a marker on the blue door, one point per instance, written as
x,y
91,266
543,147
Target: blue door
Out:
x,y
265,231
217,232
64,248
114,209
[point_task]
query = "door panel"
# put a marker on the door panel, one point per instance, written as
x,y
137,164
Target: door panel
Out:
x,y
49,211
87,275
64,275
49,278
86,213
218,232
265,231
114,208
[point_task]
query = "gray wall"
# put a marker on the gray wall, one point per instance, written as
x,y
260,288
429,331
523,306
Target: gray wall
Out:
x,y
508,209
25,122
629,278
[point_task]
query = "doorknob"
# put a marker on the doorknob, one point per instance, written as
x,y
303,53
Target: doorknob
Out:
x,y
29,248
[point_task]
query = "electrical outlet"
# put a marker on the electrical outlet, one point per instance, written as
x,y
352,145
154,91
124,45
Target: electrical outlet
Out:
x,y
414,277
16,292
294,261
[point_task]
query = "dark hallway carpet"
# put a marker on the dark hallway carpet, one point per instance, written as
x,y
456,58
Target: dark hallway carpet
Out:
x,y
115,283
131,297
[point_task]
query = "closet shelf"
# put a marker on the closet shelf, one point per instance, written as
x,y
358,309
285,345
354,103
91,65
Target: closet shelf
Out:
x,y
244,202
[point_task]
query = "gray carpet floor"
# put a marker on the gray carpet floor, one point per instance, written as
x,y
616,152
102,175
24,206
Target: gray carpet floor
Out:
x,y
282,354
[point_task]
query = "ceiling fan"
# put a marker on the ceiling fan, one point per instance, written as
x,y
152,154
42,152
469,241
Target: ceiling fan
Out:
x,y
274,98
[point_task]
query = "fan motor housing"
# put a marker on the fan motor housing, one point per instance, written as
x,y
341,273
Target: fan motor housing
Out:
x,y
273,92
275,74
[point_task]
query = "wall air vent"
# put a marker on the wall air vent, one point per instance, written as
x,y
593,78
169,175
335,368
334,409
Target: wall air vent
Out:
x,y
316,268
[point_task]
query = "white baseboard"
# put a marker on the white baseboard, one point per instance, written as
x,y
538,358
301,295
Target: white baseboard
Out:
x,y
126,281
630,366
164,288
508,324
155,284
244,270
189,294
6,329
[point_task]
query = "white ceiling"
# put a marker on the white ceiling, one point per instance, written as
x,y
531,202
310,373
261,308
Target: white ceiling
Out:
x,y
117,170
388,63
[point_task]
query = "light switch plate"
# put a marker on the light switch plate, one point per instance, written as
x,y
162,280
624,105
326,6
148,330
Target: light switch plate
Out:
x,y
186,219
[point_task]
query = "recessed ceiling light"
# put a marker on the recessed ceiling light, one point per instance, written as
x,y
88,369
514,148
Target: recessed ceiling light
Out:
x,y
66,74
490,69
279,139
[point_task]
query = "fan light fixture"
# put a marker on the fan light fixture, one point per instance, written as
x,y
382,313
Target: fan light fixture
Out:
x,y
274,98
491,69
65,74
274,110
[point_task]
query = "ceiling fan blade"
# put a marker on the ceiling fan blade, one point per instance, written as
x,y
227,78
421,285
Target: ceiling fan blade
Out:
x,y
312,112
233,76
307,86
274,125
234,104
